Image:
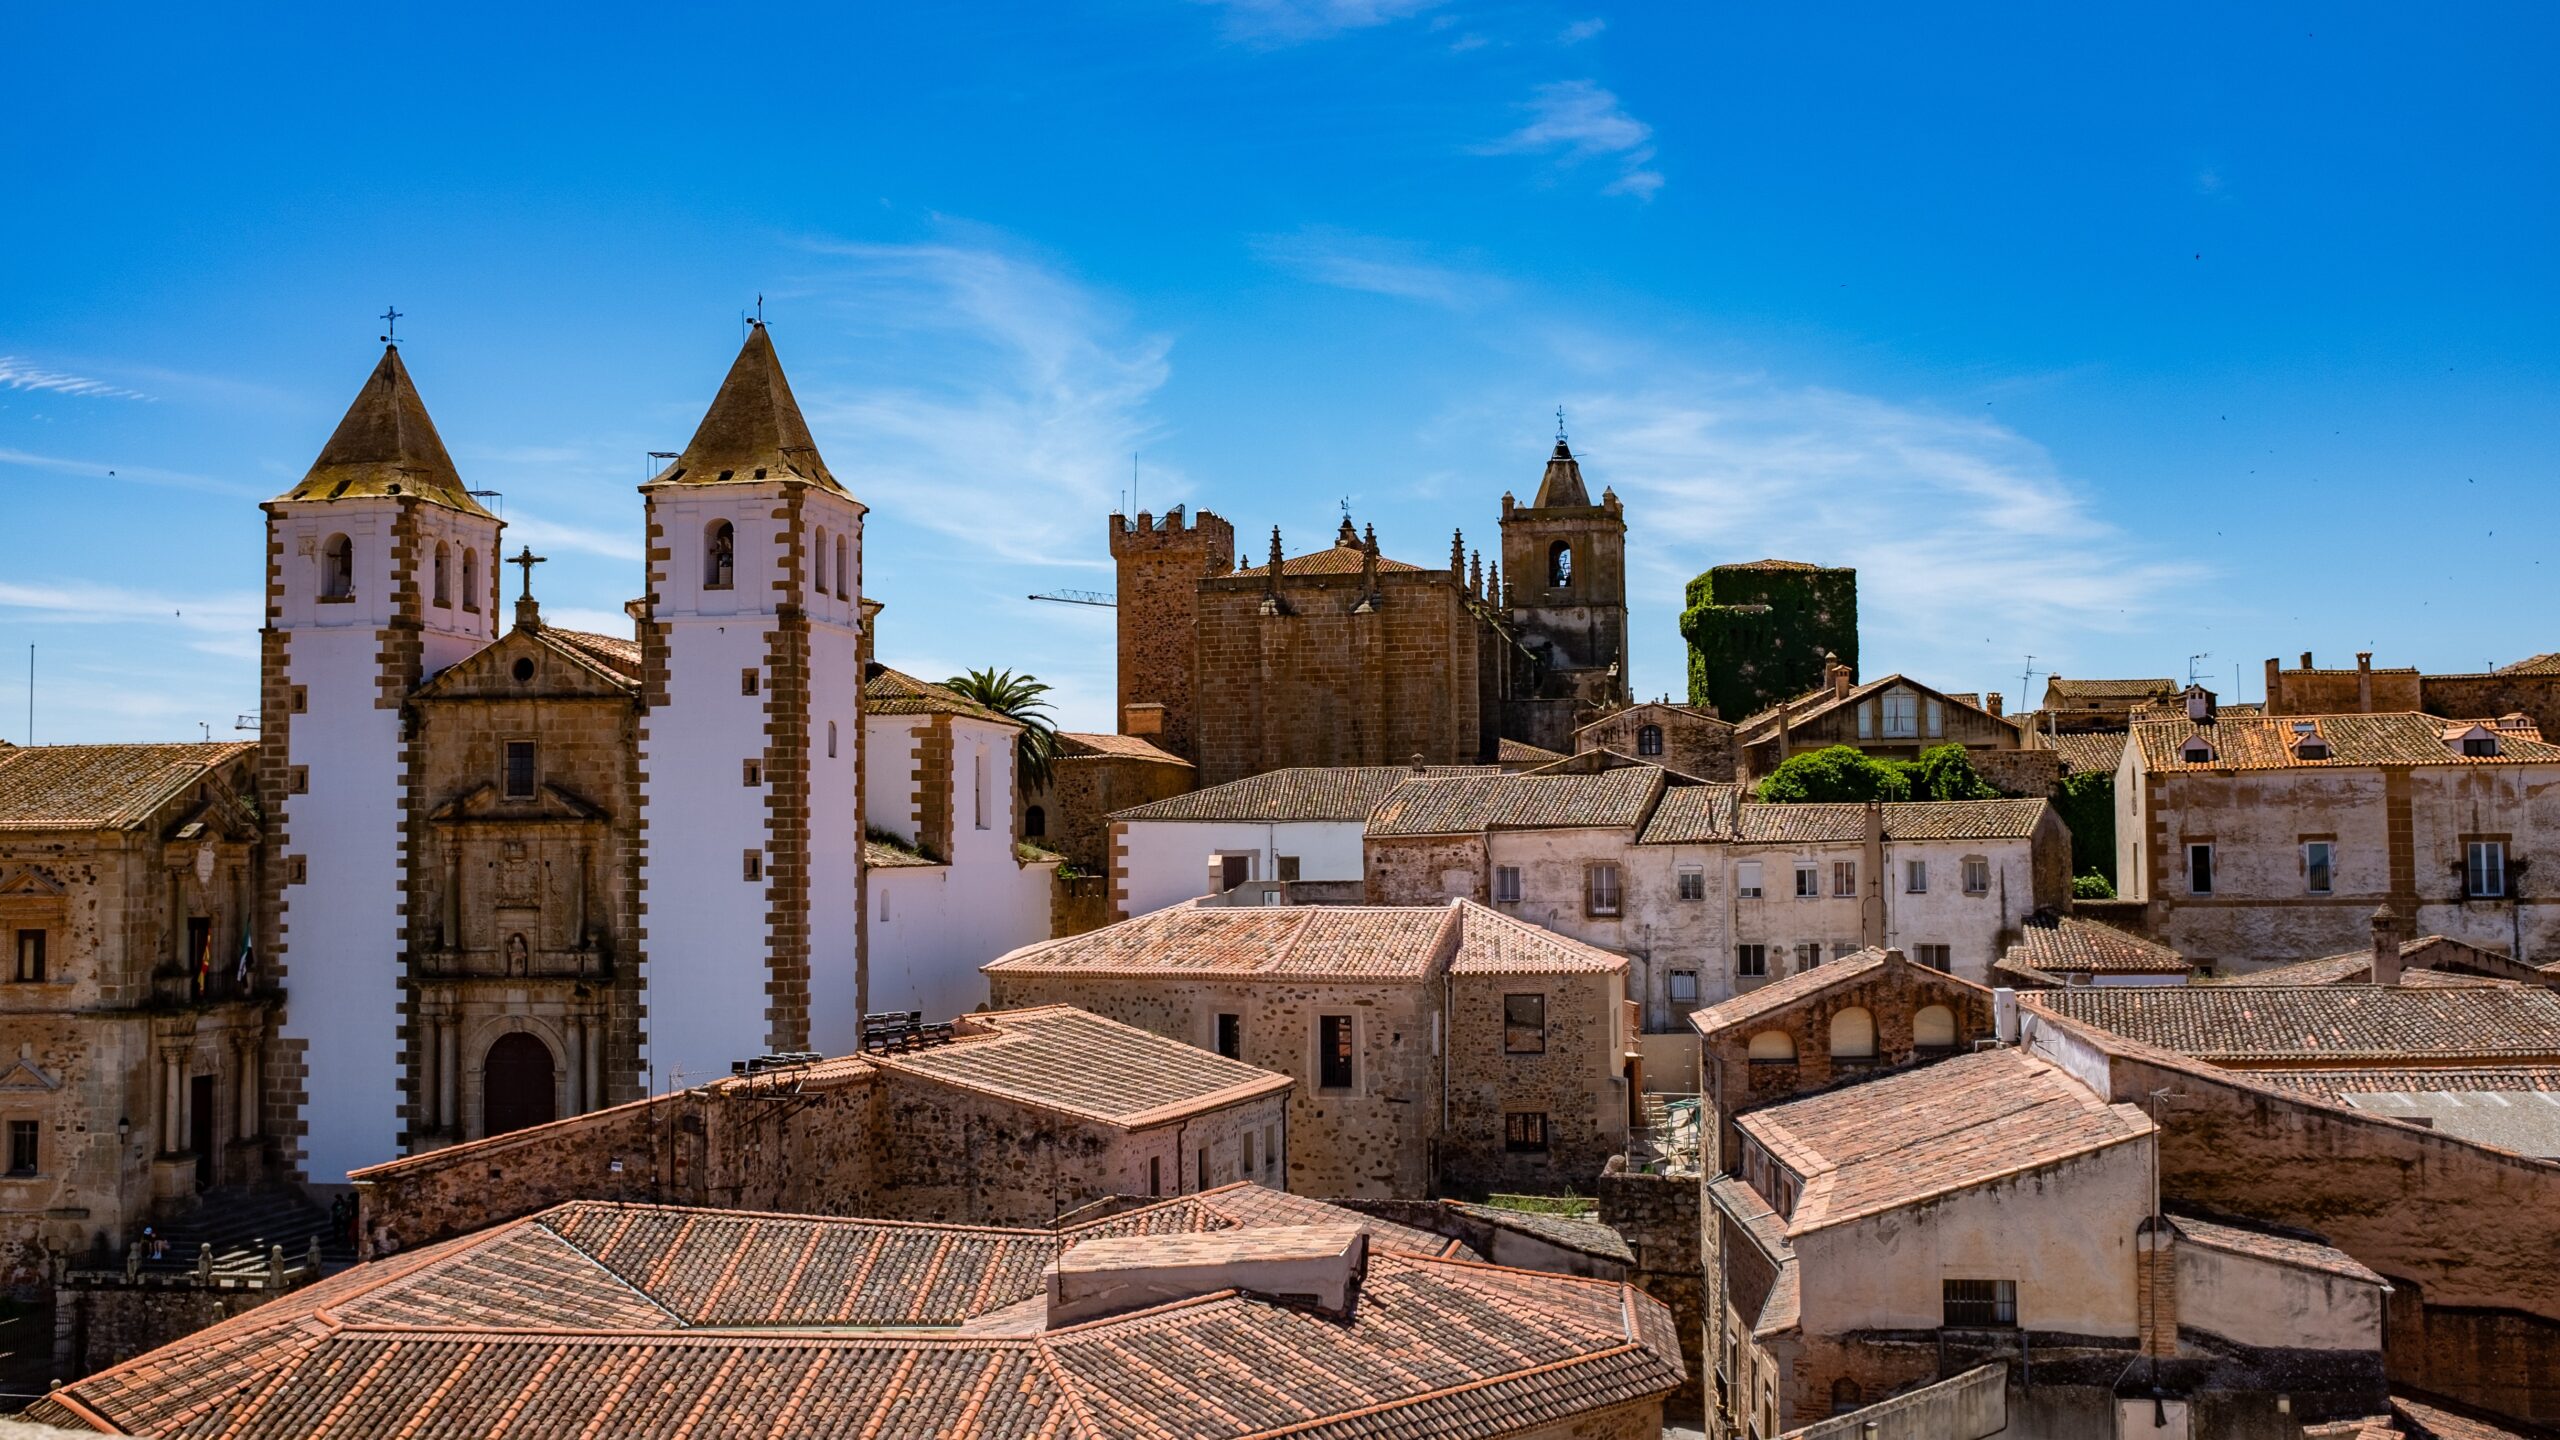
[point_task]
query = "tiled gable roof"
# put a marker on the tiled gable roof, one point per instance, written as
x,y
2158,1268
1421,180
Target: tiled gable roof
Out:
x,y
1492,943
1521,752
2356,968
2300,1251
1813,704
1612,799
1916,1134
2061,688
2545,664
1778,994
613,652
1820,822
1078,744
1573,1233
894,692
1383,943
2091,752
2340,1023
2065,945
2410,1080
1301,792
102,787
1694,815
661,1323
2259,742
1064,1059
1338,560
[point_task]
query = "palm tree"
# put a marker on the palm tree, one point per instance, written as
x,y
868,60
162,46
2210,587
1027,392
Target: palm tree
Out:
x,y
1017,698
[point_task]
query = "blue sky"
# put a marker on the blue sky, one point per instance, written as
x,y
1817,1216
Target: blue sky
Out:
x,y
2111,336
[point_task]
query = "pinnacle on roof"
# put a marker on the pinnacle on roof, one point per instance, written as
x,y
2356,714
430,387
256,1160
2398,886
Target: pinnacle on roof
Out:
x,y
754,430
386,445
1563,482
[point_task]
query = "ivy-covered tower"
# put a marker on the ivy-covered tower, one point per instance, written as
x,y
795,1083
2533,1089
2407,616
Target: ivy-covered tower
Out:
x,y
1762,631
1566,563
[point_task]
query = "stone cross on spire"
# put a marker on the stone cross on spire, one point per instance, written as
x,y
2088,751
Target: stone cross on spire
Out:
x,y
528,615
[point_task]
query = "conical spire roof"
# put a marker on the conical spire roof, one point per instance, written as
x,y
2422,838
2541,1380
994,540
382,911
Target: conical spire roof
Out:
x,y
386,445
754,430
1563,482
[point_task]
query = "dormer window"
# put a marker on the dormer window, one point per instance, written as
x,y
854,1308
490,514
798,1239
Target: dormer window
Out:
x,y
2310,747
2480,745
720,556
2475,742
2197,751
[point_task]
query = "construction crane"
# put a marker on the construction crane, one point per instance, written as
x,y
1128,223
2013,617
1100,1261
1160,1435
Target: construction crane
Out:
x,y
1080,597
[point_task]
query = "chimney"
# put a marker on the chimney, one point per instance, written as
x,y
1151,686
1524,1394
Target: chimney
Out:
x,y
2364,682
2386,946
2275,687
2155,1264
1836,675
1315,1266
2306,659
1992,701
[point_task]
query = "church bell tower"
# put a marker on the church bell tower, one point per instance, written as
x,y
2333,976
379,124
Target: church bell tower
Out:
x,y
1564,563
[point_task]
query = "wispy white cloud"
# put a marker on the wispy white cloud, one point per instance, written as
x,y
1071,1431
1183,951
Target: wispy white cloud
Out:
x,y
219,624
620,542
1377,265
100,471
995,398
1581,30
1287,22
1577,121
19,373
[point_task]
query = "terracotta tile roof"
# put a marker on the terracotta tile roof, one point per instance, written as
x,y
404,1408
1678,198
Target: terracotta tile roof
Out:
x,y
1573,1233
1780,1307
102,787
1778,994
1521,752
2067,945
1668,708
881,855
1916,1134
1061,1058
1817,823
894,692
2356,968
2302,1251
2092,752
1249,1204
1341,559
2110,689
2338,1023
1080,744
2411,1080
659,1323
1391,944
2176,709
1301,792
2269,743
2430,1420
1694,815
1614,799
2544,664
613,652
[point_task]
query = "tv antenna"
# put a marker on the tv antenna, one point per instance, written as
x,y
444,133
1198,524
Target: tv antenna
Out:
x,y
2026,678
2191,664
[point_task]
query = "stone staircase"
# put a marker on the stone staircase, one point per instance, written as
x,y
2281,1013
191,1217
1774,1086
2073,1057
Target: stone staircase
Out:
x,y
242,1224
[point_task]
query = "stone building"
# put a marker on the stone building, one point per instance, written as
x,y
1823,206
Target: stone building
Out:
x,y
658,1323
134,1005
1092,778
1345,656
1895,718
945,883
1993,1208
1764,630
2253,839
1680,738
1436,1048
2082,706
2528,687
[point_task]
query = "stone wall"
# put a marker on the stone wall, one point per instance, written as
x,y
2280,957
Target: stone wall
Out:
x,y
1079,904
1161,565
1639,1420
1426,869
1083,792
2482,697
111,1320
1658,1216
2019,772
1698,746
1574,1080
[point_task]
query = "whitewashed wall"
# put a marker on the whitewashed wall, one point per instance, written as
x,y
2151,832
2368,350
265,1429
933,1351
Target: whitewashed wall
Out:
x,y
1166,862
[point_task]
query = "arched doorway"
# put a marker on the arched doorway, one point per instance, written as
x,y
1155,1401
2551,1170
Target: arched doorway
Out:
x,y
516,1085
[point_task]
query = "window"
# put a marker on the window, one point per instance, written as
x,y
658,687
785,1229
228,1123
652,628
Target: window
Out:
x,y
31,955
2200,869
1773,1047
753,869
1684,987
1901,715
1937,720
1248,1152
1933,1027
831,739
1234,870
1853,1034
720,556
978,787
338,568
2312,747
1333,1052
1600,885
749,682
1750,961
444,575
1525,1133
519,783
1200,1166
2318,862
1284,867
844,573
1933,956
2196,751
1980,1304
1808,955
1035,822
2484,869
1649,740
1693,883
821,549
1746,880
752,772
1808,880
1506,884
22,1147
1231,1036
1155,1174
1844,878
1846,1396
1559,566
1524,1024
2485,746
1977,875
1915,877
470,579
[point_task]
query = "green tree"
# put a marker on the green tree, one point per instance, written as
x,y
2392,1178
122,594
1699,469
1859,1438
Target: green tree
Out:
x,y
1839,773
2091,887
2087,800
1945,772
1017,698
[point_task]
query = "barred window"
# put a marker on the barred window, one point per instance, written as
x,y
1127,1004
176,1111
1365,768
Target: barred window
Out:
x,y
1525,1132
1980,1304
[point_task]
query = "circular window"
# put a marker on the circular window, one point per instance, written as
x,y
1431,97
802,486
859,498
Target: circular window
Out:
x,y
524,668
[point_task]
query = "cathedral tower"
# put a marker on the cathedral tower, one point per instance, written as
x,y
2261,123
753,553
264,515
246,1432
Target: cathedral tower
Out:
x,y
1161,564
381,570
1564,561
750,740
